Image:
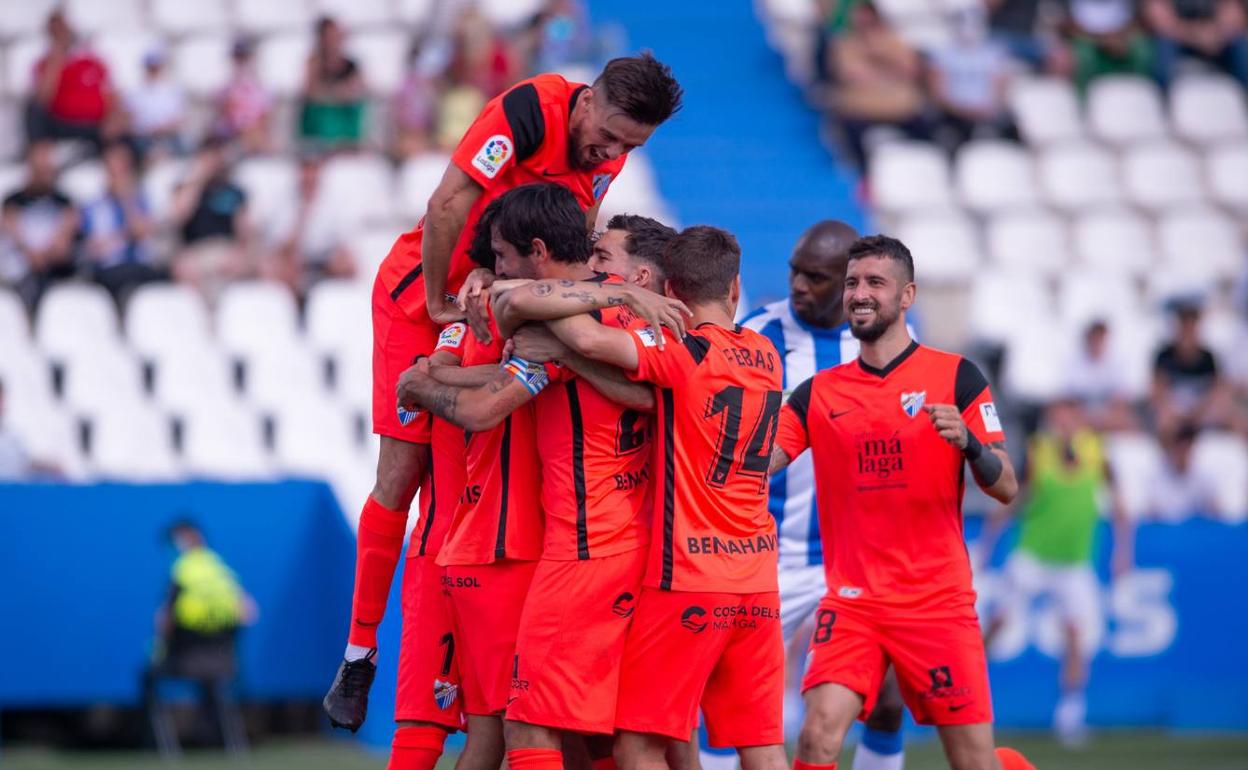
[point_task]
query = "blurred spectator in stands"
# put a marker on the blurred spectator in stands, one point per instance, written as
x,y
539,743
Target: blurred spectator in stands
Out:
x,y
968,79
39,224
482,58
1015,25
196,630
560,36
1096,377
210,212
414,105
310,240
876,80
71,97
244,106
1106,38
333,92
834,16
117,229
1187,384
1212,30
157,110
1179,490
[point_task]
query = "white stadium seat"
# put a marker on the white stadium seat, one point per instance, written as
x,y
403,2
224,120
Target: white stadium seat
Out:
x,y
1046,110
12,131
995,176
179,17
1208,108
1114,241
370,245
256,316
1170,281
282,60
418,178
24,17
1028,241
108,378
999,298
202,64
1136,459
1032,369
74,318
14,325
354,384
945,247
1226,169
20,57
910,175
160,182
1123,109
339,315
1203,241
134,444
27,378
185,376
90,16
84,182
509,14
1161,175
1077,177
270,184
417,14
901,10
796,12
359,188
284,374
1087,294
12,176
382,57
314,439
123,50
357,13
224,440
51,434
273,15
162,317
1224,456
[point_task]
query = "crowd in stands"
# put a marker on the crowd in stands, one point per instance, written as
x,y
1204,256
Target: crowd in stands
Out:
x,y
210,235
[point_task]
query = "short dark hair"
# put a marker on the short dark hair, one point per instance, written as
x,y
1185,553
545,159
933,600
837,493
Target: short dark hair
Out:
x,y
646,240
883,246
642,86
481,250
548,211
701,263
182,524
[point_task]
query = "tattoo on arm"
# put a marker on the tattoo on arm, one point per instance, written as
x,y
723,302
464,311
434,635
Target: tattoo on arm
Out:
x,y
565,283
541,288
613,300
582,296
500,381
443,401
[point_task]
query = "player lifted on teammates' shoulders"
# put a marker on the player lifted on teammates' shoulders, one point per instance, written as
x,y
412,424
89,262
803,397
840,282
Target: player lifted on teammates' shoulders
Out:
x,y
890,434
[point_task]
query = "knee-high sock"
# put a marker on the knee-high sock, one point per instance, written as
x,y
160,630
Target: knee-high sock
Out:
x,y
879,750
535,759
416,748
1011,759
378,545
800,765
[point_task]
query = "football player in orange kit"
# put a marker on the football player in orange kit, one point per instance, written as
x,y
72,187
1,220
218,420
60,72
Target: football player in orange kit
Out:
x,y
891,433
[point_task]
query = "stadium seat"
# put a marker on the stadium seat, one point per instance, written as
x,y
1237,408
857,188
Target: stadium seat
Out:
x,y
160,182
357,13
1203,241
370,245
179,17
1046,110
313,439
14,325
1078,177
84,182
282,59
795,12
256,316
51,434
107,378
925,33
74,318
354,380
123,50
945,248
359,188
27,378
166,316
1226,169
12,176
270,183
1169,281
1136,460
999,298
1028,241
1124,109
900,11
995,176
272,16
224,440
905,176
509,15
416,14
133,444
1032,370
382,57
338,316
1114,241
24,17
12,131
1135,345
1161,175
91,16
278,375
20,57
1224,456
1088,294
1208,108
202,64
418,178
184,376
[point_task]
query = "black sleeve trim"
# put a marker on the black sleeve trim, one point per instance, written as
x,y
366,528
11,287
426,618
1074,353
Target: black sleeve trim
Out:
x,y
523,109
969,383
799,399
697,346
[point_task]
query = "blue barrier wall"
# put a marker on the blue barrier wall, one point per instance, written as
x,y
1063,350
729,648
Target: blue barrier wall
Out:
x,y
83,568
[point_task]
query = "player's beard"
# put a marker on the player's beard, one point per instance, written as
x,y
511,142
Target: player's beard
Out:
x,y
873,331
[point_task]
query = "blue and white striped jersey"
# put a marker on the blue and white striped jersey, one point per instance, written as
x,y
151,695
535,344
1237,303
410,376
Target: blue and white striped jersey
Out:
x,y
806,349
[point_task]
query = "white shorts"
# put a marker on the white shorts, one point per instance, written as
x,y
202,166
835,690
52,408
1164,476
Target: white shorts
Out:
x,y
1074,590
801,588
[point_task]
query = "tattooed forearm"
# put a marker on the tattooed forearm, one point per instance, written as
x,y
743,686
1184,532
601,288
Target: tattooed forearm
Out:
x,y
499,381
581,296
541,288
443,401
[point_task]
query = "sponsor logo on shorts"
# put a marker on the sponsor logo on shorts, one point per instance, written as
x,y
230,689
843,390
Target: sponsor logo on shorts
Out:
x,y
692,619
460,581
943,688
912,402
444,693
623,605
732,546
517,684
493,154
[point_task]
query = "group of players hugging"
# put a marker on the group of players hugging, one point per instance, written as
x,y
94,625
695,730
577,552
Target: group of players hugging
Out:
x,y
595,562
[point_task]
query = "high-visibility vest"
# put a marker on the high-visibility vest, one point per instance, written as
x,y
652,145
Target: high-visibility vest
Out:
x,y
209,599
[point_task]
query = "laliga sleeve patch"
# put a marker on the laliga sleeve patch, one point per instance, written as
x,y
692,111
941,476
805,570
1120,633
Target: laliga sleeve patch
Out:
x,y
988,411
452,337
496,151
647,337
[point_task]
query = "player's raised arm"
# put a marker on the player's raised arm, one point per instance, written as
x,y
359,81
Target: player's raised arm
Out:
x,y
551,299
476,409
444,219
537,343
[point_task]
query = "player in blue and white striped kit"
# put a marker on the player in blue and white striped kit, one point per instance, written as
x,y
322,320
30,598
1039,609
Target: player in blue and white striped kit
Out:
x,y
810,331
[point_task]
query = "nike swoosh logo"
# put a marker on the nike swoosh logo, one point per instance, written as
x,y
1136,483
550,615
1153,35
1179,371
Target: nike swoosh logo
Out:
x,y
958,706
556,173
833,415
